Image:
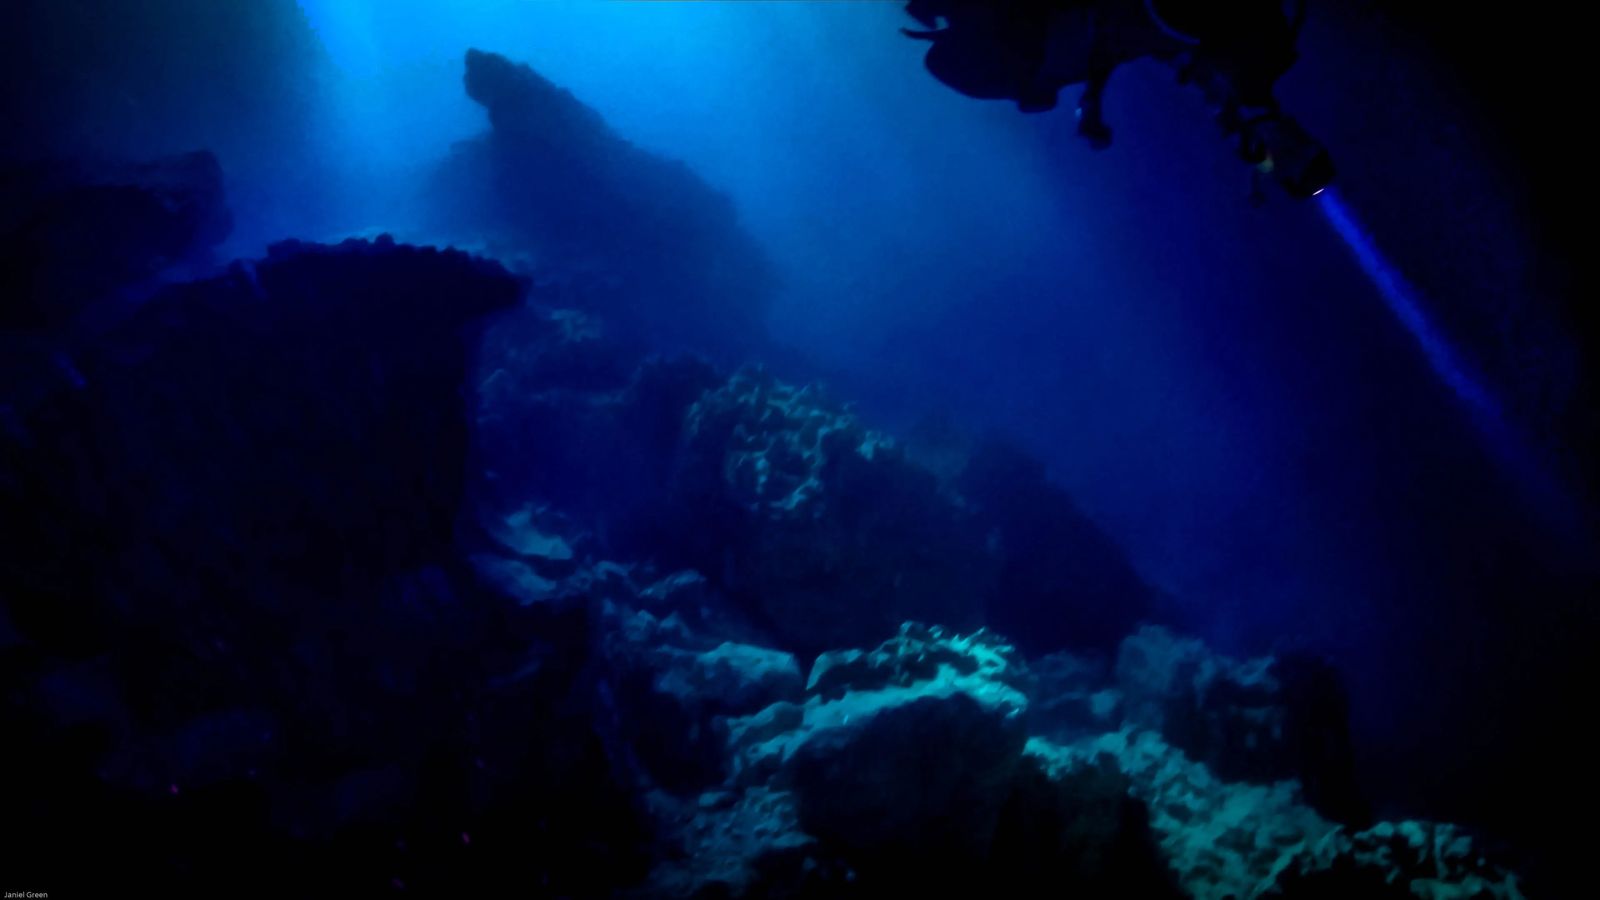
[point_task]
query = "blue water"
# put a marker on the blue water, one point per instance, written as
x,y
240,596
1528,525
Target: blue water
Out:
x,y
1352,425
1262,411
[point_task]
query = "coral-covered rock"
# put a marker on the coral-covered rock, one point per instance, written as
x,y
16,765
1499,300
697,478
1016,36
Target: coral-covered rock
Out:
x,y
1226,839
921,653
675,666
71,233
912,744
740,844
1262,720
899,776
1070,696
908,749
1403,860
913,752
1221,839
637,236
821,526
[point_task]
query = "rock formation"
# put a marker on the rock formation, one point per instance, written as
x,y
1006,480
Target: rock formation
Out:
x,y
71,234
633,235
241,634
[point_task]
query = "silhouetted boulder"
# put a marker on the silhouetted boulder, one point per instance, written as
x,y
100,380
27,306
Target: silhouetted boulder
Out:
x,y
246,637
73,233
302,416
1063,583
634,235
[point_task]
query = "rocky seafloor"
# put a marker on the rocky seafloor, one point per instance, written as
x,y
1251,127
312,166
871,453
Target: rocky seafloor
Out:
x,y
368,567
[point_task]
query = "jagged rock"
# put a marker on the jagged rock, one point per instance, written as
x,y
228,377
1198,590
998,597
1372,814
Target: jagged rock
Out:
x,y
1063,583
744,844
522,536
1403,860
677,668
1070,696
524,584
912,746
929,774
1263,719
734,677
72,233
1221,839
539,539
908,678
919,653
1238,841
639,237
684,593
821,526
913,752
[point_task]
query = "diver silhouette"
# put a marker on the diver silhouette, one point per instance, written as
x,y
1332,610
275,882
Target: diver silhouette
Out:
x,y
1026,51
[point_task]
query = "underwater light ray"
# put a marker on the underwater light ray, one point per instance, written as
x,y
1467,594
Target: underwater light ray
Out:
x,y
1513,453
1401,298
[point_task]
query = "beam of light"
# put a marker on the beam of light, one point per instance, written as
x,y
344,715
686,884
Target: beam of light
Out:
x,y
1401,299
1511,451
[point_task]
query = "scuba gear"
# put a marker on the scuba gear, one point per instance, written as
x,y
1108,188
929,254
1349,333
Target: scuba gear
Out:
x,y
1234,50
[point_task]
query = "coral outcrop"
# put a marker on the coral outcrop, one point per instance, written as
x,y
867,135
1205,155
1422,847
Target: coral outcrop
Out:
x,y
905,753
677,663
1226,839
822,526
827,530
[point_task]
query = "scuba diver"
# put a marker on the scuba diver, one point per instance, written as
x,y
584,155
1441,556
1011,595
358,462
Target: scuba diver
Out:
x,y
1233,50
